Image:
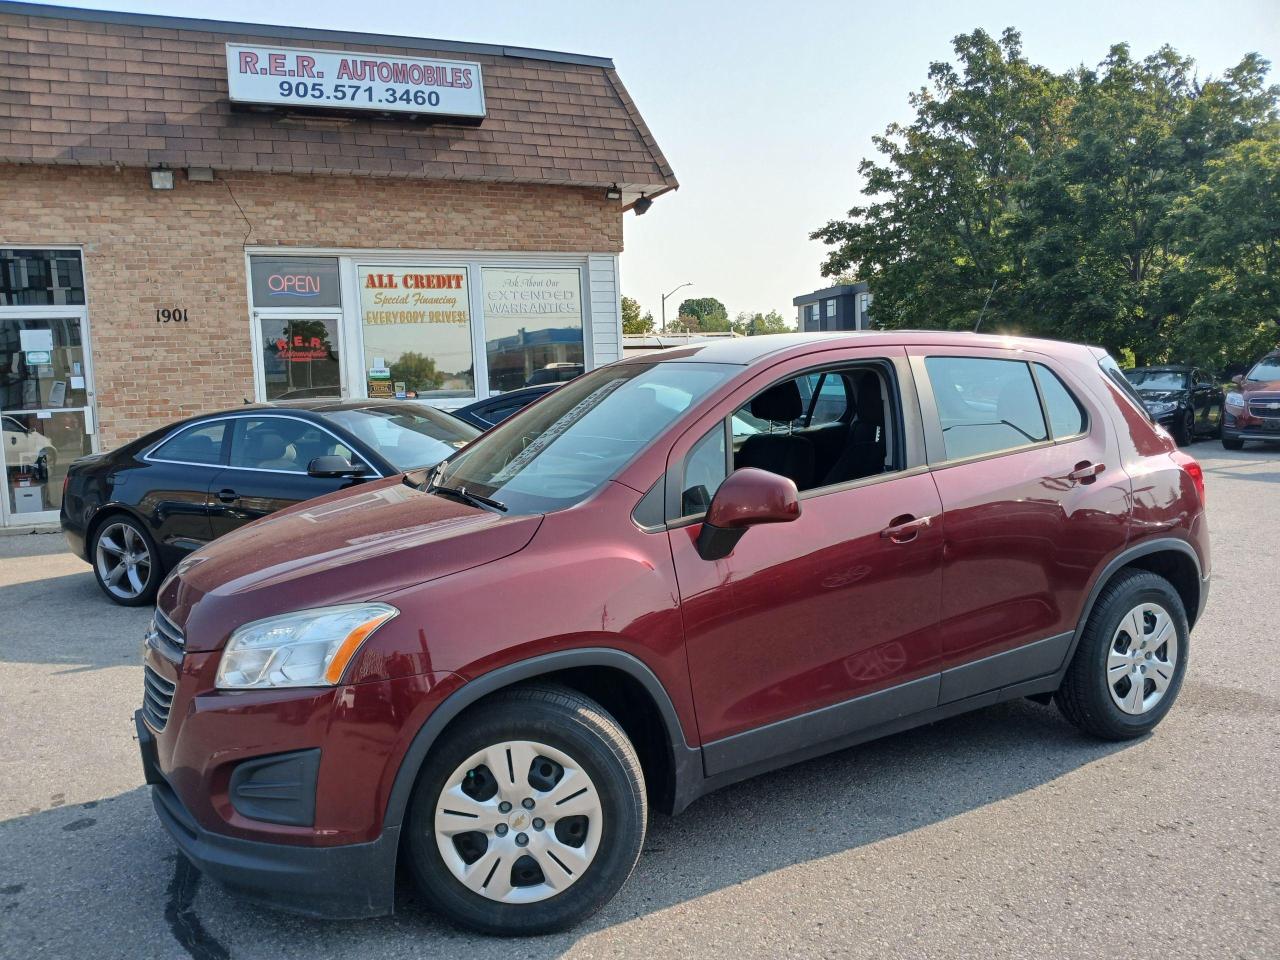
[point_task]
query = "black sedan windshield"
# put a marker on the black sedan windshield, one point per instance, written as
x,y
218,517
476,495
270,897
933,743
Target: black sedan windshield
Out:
x,y
410,439
560,451
1158,379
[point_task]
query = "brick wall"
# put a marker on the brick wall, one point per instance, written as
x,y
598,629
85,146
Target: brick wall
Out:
x,y
148,248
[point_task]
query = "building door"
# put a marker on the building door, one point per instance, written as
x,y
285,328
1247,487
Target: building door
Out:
x,y
300,356
46,417
44,409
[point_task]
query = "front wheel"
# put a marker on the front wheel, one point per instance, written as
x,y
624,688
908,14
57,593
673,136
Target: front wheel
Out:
x,y
528,815
1232,443
125,562
1129,664
1185,433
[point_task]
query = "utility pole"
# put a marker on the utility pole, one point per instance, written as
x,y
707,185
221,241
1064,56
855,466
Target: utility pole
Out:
x,y
664,303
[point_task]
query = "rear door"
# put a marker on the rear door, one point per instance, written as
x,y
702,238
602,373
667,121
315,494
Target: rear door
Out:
x,y
267,468
1033,499
840,603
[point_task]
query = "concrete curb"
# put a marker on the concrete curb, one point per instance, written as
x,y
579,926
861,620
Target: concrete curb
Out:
x,y
29,529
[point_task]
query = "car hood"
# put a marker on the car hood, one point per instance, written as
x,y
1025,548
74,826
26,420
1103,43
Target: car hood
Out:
x,y
350,546
1260,386
1161,396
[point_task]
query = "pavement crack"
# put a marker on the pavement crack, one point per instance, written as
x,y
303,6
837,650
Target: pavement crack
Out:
x,y
183,922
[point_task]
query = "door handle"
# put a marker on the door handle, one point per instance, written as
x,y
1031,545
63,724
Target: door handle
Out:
x,y
905,528
228,496
1086,472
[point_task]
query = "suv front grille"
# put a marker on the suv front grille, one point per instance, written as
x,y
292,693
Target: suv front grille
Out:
x,y
157,698
169,637
1266,407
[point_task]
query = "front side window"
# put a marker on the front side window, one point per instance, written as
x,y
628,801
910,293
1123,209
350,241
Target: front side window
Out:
x,y
560,451
1066,416
201,444
985,405
409,438
282,444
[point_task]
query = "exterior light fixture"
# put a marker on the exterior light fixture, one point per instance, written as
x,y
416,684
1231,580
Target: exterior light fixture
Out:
x,y
613,193
161,179
641,206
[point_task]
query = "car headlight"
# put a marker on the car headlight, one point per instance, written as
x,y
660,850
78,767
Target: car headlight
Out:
x,y
1235,400
1161,408
309,648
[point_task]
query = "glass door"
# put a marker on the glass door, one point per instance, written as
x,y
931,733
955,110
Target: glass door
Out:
x,y
301,356
45,417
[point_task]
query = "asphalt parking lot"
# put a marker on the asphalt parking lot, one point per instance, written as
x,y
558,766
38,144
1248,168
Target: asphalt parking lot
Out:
x,y
1004,833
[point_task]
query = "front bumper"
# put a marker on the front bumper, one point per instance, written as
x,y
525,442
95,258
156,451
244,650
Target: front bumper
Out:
x,y
343,882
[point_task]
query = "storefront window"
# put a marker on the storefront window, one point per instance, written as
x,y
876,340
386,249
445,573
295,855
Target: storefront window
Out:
x,y
300,358
417,332
533,326
40,278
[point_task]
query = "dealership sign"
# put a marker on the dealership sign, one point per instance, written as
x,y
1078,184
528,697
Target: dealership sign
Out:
x,y
339,80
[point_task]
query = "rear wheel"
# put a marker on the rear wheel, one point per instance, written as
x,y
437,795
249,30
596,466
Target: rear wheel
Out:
x,y
125,562
528,815
1129,665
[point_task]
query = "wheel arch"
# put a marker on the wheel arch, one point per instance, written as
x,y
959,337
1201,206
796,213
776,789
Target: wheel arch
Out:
x,y
1175,560
620,682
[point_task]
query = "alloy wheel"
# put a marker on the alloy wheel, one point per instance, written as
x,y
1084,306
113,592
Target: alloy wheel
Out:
x,y
123,560
1142,658
518,822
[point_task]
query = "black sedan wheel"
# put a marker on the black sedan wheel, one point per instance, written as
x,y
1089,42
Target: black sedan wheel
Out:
x,y
125,562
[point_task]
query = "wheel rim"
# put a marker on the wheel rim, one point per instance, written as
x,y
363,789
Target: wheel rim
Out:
x,y
518,822
123,561
1142,658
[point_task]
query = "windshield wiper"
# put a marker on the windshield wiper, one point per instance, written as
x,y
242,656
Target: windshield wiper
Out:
x,y
462,493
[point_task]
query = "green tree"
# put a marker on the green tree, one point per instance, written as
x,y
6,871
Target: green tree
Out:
x,y
708,313
754,324
1094,205
632,322
417,371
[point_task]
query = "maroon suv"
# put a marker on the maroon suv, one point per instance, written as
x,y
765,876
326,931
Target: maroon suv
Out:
x,y
1252,409
489,672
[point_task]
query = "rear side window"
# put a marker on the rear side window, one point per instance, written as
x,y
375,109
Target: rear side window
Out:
x,y
1066,416
985,405
201,443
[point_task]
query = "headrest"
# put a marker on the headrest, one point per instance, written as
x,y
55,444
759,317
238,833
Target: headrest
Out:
x,y
264,445
870,404
779,404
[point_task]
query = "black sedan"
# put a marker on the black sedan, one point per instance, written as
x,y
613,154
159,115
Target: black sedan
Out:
x,y
491,410
1182,399
135,512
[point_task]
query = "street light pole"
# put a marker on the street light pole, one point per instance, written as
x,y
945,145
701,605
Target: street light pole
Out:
x,y
664,303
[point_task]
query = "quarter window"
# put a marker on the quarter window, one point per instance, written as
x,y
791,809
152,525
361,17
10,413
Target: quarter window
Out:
x,y
1066,417
201,443
985,405
704,470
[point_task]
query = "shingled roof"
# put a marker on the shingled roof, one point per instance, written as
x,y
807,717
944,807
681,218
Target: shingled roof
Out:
x,y
99,88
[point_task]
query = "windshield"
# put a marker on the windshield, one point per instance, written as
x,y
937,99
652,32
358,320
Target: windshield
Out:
x,y
409,438
1268,368
1158,379
560,451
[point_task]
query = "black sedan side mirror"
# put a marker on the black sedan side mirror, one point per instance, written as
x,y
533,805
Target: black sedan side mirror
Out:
x,y
333,466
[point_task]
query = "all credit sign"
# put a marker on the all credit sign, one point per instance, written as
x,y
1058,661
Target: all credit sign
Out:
x,y
341,80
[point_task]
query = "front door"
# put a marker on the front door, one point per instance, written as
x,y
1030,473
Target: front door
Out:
x,y
301,356
44,410
821,612
267,469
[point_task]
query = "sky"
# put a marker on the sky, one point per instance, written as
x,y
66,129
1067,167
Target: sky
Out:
x,y
765,110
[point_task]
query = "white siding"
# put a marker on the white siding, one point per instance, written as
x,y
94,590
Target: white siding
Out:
x,y
606,309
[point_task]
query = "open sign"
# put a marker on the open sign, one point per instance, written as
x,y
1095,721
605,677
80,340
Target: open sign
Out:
x,y
282,281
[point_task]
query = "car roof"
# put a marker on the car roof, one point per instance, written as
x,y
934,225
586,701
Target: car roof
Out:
x,y
319,406
745,351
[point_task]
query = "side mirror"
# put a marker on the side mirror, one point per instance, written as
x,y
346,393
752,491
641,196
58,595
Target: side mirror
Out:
x,y
333,466
1238,379
746,498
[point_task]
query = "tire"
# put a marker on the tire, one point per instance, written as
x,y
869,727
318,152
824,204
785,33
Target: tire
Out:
x,y
125,561
541,723
1185,434
1232,443
1108,651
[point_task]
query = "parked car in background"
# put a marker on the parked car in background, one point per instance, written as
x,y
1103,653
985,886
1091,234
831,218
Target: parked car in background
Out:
x,y
1253,407
26,447
483,414
135,512
671,574
1184,400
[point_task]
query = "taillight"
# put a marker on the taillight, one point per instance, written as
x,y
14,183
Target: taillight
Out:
x,y
1191,466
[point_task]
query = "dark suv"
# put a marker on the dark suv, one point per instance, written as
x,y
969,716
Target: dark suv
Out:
x,y
490,671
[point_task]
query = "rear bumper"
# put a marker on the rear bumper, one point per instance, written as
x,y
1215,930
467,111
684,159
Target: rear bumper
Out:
x,y
339,882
